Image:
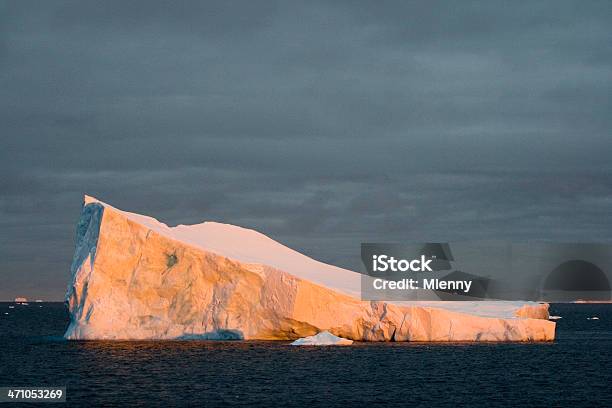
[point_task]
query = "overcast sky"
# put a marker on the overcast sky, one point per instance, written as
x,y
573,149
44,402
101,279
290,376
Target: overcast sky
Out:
x,y
320,124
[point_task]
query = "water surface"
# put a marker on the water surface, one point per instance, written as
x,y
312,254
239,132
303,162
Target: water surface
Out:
x,y
573,371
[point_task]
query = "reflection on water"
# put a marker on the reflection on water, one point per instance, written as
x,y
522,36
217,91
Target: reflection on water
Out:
x,y
575,370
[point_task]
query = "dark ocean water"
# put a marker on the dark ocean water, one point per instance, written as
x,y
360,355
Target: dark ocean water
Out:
x,y
573,371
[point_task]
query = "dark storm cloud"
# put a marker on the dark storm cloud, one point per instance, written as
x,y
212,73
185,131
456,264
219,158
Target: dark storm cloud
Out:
x,y
322,124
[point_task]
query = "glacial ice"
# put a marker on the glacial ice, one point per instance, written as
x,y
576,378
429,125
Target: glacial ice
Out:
x,y
324,338
133,277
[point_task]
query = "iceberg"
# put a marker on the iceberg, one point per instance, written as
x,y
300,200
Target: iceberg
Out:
x,y
133,277
324,338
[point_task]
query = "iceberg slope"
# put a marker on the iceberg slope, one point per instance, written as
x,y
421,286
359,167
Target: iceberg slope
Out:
x,y
133,277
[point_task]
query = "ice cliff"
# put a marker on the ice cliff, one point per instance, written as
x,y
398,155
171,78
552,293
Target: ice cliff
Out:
x,y
133,277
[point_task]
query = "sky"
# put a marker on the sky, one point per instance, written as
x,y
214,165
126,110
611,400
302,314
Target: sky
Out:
x,y
320,124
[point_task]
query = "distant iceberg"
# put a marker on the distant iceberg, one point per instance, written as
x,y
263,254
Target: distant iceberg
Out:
x,y
324,338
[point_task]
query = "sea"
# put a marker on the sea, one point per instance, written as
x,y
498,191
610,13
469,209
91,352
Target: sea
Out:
x,y
575,370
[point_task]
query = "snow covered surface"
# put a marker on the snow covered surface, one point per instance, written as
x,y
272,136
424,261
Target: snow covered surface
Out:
x,y
324,338
133,277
